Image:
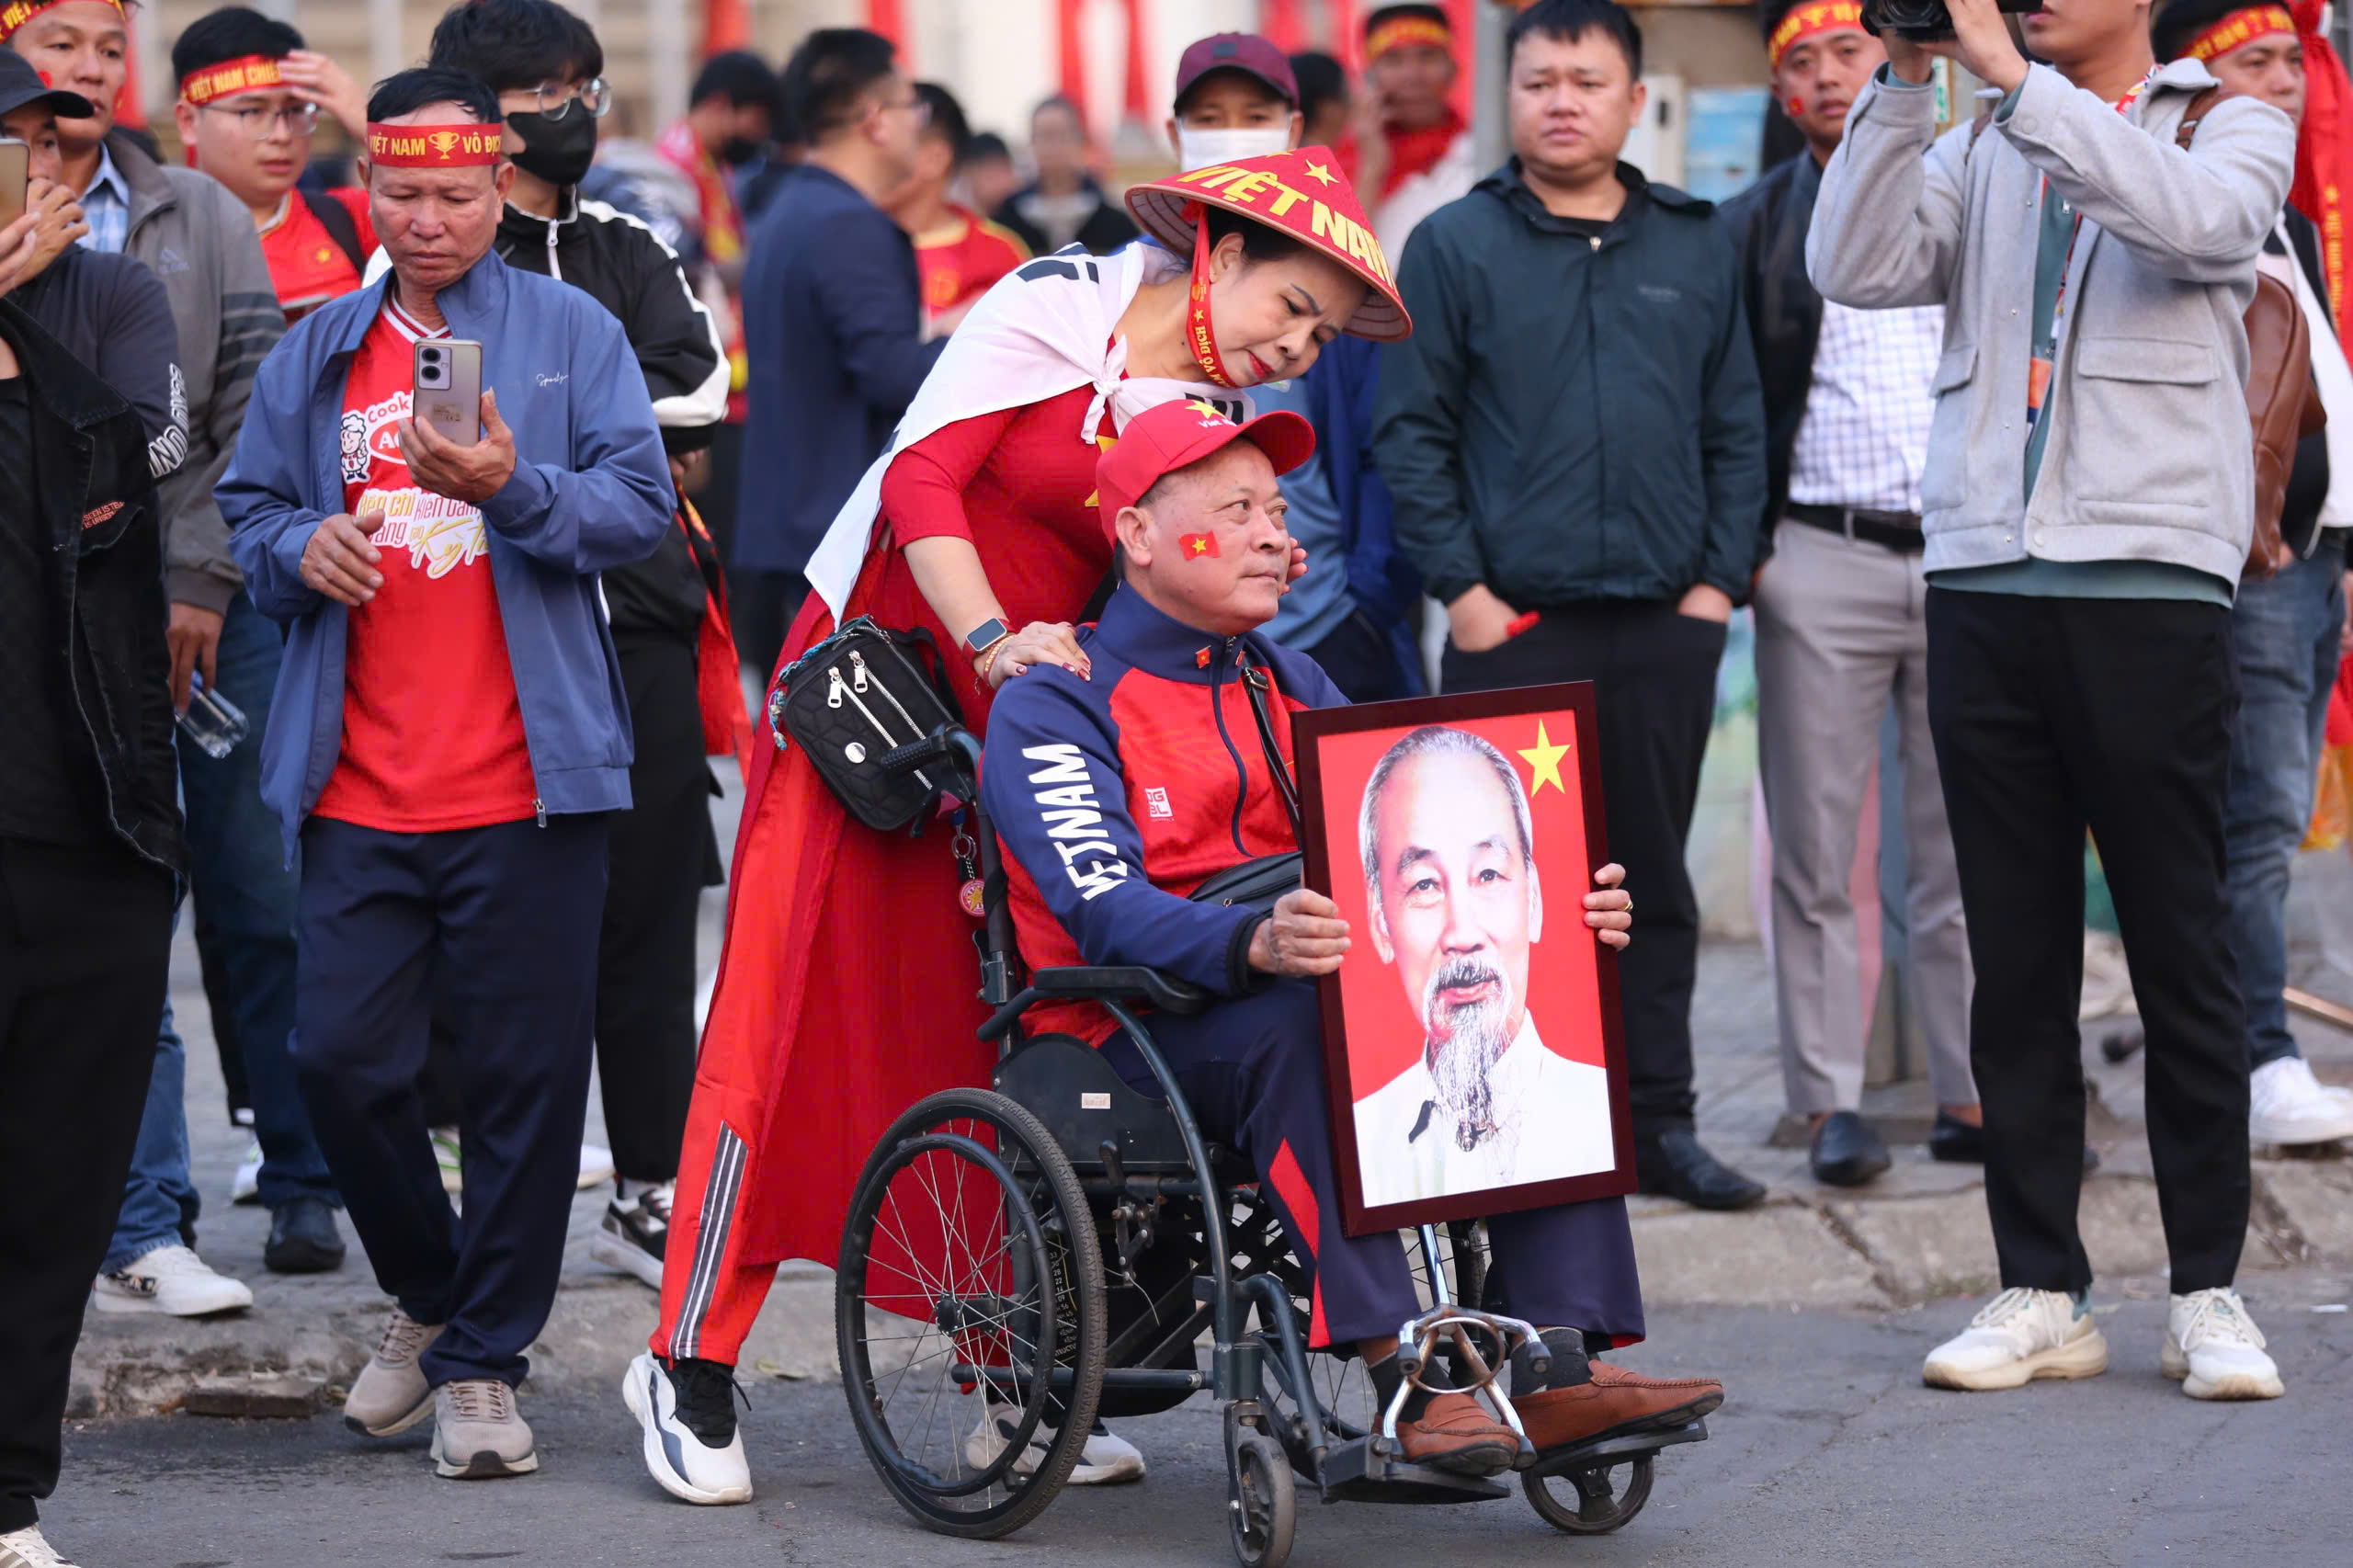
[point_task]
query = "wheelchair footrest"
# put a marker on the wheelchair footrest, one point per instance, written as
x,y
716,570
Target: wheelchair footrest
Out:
x,y
1615,1451
1361,1472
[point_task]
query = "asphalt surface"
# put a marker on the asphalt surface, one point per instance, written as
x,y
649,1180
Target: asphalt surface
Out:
x,y
1828,1450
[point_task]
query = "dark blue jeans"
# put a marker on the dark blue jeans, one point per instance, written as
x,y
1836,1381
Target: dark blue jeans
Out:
x,y
245,896
159,1201
2285,634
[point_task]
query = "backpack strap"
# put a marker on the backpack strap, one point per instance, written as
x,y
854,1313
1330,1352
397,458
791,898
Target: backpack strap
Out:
x,y
336,219
2191,116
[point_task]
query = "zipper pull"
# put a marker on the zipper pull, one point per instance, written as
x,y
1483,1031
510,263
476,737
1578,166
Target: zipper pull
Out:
x,y
856,670
834,687
1594,240
540,810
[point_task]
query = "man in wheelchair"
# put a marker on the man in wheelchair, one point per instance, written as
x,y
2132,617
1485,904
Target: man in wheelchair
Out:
x,y
1118,792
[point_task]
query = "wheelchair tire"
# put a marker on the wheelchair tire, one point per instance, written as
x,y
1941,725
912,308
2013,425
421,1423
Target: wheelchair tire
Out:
x,y
970,1228
1594,1505
1262,1504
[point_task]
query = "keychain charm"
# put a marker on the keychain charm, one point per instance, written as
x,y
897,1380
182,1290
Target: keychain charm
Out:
x,y
972,893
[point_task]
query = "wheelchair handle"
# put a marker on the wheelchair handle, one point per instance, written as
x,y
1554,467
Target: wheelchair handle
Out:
x,y
949,742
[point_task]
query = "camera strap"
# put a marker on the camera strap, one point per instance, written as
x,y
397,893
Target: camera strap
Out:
x,y
1259,681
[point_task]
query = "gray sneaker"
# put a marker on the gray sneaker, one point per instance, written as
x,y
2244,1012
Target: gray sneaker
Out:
x,y
390,1395
478,1435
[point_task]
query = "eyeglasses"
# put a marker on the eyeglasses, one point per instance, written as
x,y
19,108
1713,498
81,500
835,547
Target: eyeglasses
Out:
x,y
556,99
255,121
916,104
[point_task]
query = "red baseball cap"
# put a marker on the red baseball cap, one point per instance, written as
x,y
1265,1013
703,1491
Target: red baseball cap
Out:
x,y
1175,435
1245,53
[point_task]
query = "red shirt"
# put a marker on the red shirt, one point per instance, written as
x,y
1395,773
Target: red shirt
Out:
x,y
961,258
432,732
1020,486
306,266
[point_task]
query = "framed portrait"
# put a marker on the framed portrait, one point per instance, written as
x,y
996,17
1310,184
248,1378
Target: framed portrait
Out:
x,y
1471,1036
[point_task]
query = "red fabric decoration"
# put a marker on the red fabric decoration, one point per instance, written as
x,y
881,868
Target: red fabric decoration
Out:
x,y
2324,148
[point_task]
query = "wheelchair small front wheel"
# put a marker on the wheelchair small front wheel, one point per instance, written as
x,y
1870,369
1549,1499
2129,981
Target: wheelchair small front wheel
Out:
x,y
1589,1501
969,1315
1262,1504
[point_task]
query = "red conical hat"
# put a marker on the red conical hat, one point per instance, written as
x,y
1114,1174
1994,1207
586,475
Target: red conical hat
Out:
x,y
1302,193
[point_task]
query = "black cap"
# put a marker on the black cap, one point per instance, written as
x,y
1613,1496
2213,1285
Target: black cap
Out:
x,y
21,84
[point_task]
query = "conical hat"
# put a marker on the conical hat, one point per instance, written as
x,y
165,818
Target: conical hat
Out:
x,y
1302,193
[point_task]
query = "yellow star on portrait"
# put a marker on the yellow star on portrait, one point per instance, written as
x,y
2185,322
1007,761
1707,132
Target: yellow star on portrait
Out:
x,y
1544,761
1319,171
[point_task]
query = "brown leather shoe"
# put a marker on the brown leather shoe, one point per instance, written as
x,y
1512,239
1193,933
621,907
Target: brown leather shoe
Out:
x,y
1456,1434
1615,1404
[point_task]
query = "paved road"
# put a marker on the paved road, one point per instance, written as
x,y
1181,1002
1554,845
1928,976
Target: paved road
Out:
x,y
1829,1452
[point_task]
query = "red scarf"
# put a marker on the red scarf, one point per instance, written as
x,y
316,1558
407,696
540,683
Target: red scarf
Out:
x,y
2325,150
1417,152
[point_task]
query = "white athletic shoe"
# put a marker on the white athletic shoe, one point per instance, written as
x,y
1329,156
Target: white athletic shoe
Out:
x,y
2288,1105
447,1155
171,1280
245,1186
635,1233
2213,1349
26,1549
686,1466
596,1166
2019,1336
1106,1460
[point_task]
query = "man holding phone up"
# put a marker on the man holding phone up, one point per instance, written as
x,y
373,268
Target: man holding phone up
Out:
x,y
448,734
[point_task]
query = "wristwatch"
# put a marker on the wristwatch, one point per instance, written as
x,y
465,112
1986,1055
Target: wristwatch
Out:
x,y
985,635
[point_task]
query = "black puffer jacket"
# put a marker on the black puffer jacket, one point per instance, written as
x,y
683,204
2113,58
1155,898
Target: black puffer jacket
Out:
x,y
98,504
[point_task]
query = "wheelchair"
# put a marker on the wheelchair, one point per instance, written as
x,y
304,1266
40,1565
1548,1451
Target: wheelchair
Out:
x,y
1021,1261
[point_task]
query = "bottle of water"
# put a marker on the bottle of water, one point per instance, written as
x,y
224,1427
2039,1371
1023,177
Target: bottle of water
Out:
x,y
212,722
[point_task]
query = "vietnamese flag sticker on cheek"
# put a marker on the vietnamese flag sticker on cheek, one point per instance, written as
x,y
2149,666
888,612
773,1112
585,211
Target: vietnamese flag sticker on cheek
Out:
x,y
1195,546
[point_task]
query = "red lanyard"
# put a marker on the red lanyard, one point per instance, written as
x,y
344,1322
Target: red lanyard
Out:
x,y
1200,337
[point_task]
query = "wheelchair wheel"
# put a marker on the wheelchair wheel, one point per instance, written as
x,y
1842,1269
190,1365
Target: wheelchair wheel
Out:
x,y
1588,1503
969,1315
1262,1504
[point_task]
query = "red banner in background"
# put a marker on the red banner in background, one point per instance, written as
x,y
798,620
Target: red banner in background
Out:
x,y
2325,150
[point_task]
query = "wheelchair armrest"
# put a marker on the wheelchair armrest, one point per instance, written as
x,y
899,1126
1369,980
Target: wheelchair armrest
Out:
x,y
1124,983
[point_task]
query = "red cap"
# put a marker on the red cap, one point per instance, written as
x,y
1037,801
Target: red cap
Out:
x,y
1245,53
1172,436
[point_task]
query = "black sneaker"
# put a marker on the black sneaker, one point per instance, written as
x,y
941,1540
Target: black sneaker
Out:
x,y
634,1233
303,1238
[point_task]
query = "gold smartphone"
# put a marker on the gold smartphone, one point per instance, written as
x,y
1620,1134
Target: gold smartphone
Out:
x,y
448,391
16,174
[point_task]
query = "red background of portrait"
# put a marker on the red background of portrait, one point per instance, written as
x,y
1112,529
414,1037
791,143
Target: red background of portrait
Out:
x,y
1384,1035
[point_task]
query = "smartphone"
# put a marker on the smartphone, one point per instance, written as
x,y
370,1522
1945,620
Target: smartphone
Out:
x,y
447,394
16,173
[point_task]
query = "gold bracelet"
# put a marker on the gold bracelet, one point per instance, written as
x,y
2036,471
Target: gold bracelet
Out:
x,y
988,657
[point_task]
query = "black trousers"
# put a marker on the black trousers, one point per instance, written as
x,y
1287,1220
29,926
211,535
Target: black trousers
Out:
x,y
1655,698
86,945
506,920
1360,661
662,853
2051,716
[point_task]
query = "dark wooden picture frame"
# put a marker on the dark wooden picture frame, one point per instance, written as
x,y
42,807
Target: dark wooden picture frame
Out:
x,y
1326,788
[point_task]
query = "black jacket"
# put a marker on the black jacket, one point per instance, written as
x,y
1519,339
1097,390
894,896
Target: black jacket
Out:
x,y
109,312
98,502
1768,223
1575,417
2308,482
617,261
1105,230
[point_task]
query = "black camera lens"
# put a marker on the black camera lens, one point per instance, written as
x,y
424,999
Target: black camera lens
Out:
x,y
433,355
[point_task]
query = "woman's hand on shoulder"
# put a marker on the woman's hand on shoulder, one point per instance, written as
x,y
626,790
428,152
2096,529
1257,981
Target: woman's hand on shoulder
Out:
x,y
1040,642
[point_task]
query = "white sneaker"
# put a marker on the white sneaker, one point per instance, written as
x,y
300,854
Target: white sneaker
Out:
x,y
171,1280
26,1549
2213,1349
445,1155
245,1186
596,1166
2021,1335
635,1233
1106,1460
2289,1106
687,1467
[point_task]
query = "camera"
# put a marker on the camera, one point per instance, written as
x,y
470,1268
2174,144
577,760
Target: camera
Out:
x,y
430,370
1925,21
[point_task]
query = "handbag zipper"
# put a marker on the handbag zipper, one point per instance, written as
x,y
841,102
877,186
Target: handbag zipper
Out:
x,y
835,689
884,730
857,677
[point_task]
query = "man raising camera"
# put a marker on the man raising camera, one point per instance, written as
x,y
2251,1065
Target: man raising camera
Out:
x,y
2087,504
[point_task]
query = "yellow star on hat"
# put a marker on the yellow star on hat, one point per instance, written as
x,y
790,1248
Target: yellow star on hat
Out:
x,y
1544,761
1319,171
1203,406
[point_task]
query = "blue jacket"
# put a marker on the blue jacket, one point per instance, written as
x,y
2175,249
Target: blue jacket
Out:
x,y
833,326
1340,389
591,489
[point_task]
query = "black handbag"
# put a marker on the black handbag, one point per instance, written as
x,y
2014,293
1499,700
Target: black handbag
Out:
x,y
1259,882
854,698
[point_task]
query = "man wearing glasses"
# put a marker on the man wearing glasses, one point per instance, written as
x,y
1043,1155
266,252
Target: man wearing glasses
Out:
x,y
250,96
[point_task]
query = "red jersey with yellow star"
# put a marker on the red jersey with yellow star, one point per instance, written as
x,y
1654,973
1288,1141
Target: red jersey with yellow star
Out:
x,y
306,266
961,258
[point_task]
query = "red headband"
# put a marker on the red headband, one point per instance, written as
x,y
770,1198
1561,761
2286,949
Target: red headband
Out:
x,y
246,74
465,145
2240,28
1811,20
1403,32
16,13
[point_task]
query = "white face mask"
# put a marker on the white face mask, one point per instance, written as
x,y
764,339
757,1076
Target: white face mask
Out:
x,y
1203,149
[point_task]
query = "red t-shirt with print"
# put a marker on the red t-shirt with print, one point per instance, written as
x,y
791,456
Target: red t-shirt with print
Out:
x,y
306,266
432,732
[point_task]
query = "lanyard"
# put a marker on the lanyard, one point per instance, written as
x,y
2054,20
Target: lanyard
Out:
x,y
2039,364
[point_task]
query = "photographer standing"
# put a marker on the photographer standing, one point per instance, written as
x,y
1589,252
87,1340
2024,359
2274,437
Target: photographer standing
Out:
x,y
2087,504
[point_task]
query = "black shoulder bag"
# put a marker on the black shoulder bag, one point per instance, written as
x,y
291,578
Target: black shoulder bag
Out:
x,y
853,700
1258,883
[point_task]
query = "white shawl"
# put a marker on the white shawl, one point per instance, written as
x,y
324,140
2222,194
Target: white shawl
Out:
x,y
1039,333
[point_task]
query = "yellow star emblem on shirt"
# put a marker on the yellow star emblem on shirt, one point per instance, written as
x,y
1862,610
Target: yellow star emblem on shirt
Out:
x,y
1544,761
1095,498
1319,171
